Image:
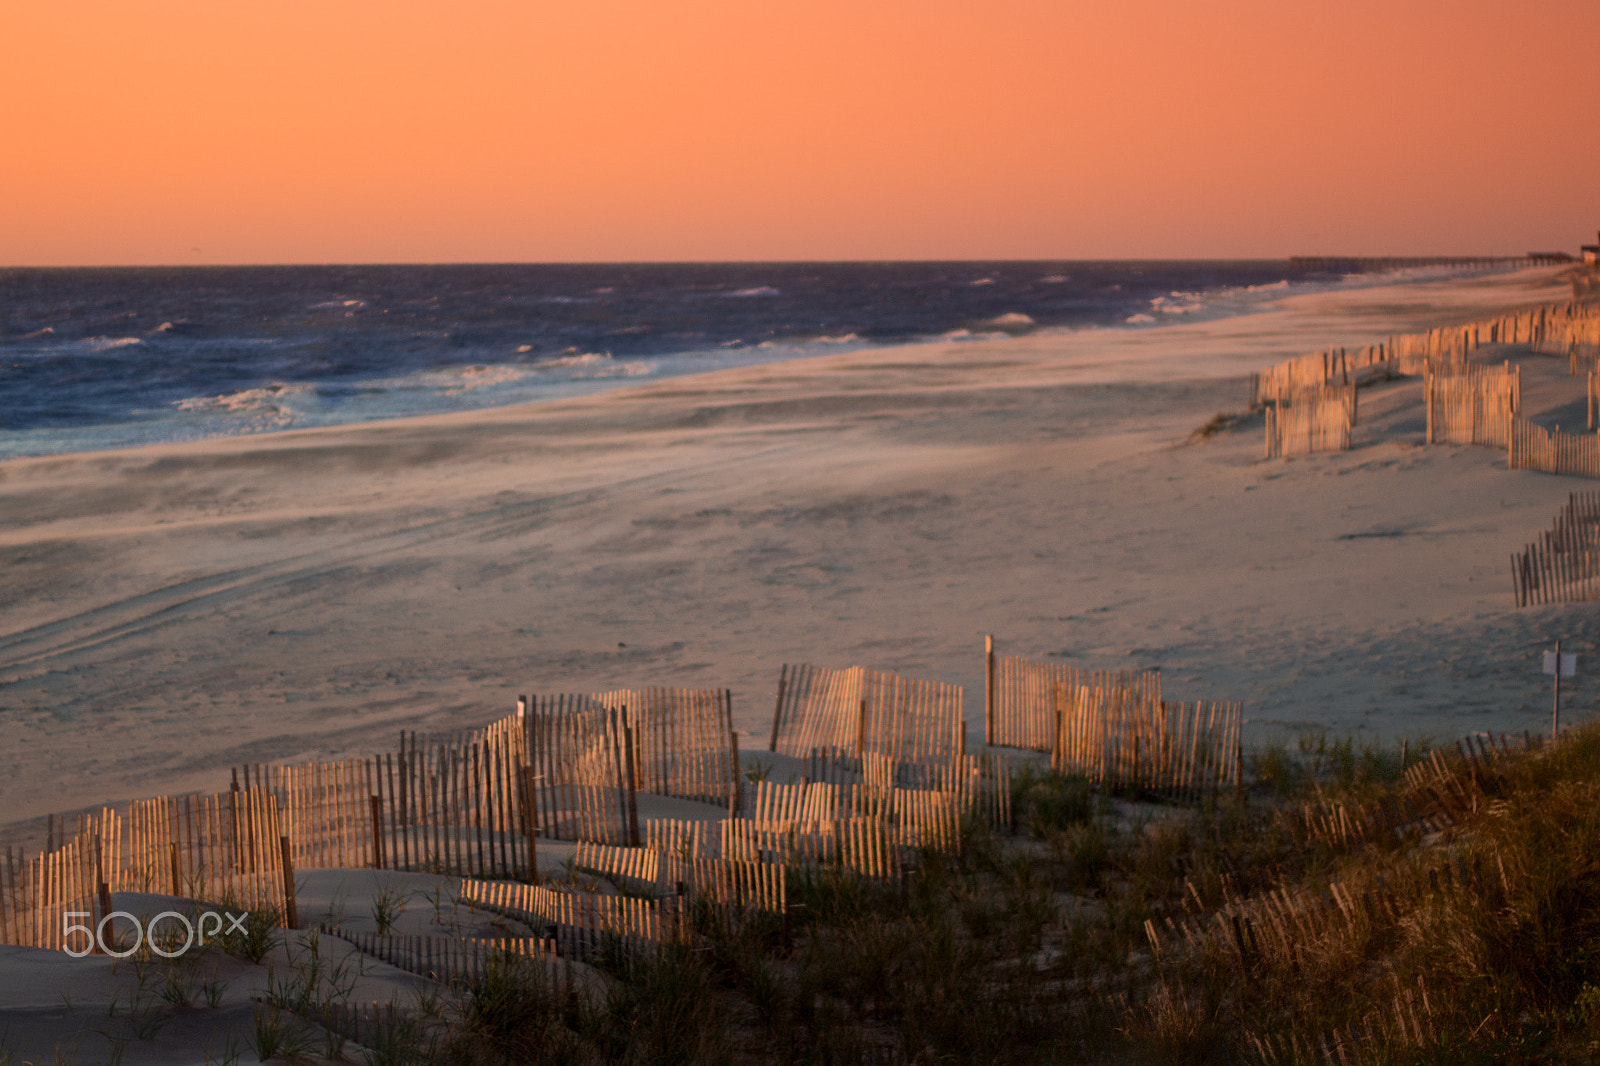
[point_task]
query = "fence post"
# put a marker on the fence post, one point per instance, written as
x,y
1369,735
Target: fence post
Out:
x,y
1555,713
530,809
1427,401
733,791
777,710
988,689
633,801
377,831
290,905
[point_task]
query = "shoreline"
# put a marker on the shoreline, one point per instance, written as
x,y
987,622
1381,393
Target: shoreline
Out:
x,y
258,403
178,608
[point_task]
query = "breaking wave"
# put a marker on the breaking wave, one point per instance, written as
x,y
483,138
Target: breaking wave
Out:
x,y
107,344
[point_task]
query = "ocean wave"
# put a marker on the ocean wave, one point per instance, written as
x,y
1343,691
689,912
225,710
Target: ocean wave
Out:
x,y
1011,322
453,380
1178,303
759,290
107,344
1055,279
1139,319
264,404
843,338
338,305
599,365
982,281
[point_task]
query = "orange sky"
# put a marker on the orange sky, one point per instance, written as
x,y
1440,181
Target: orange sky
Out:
x,y
218,131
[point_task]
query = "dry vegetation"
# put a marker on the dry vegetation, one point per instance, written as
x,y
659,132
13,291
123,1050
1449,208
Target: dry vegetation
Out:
x,y
1343,910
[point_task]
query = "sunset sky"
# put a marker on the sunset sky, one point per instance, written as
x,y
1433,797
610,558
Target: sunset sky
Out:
x,y
234,131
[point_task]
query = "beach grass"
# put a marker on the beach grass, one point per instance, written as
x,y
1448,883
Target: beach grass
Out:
x,y
1470,933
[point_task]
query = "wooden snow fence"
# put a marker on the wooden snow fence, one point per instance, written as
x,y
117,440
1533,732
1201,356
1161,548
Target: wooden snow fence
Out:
x,y
865,843
1317,421
1571,330
1532,447
682,836
1302,374
639,865
1178,749
580,756
729,883
1020,709
1563,564
457,804
1471,404
37,894
1568,329
451,959
1406,354
222,849
867,712
580,923
684,742
225,846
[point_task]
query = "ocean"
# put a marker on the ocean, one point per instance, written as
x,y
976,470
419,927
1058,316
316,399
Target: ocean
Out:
x,y
94,358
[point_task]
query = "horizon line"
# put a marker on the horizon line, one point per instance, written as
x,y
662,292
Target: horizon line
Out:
x,y
1441,257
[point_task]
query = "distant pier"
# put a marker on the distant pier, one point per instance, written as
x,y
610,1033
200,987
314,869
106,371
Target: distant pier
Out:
x,y
1354,264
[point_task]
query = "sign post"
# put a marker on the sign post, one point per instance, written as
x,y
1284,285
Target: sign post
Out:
x,y
1559,666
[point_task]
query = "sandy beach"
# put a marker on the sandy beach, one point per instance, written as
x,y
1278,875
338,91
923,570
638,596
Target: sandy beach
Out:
x,y
171,611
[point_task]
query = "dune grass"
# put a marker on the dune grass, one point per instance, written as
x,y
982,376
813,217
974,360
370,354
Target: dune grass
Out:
x,y
1341,909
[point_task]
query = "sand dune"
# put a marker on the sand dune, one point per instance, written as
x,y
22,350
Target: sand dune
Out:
x,y
172,610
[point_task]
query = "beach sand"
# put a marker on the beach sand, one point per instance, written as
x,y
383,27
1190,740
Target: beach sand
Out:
x,y
171,611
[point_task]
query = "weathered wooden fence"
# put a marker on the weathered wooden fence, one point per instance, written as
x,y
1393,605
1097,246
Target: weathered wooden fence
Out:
x,y
223,848
223,845
735,883
458,804
1532,447
867,712
1184,750
1019,704
448,959
1563,565
1305,373
581,756
684,741
36,895
1471,404
1317,421
1570,329
581,923
1567,329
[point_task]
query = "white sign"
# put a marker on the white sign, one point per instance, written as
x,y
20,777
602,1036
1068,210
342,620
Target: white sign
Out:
x,y
1569,663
